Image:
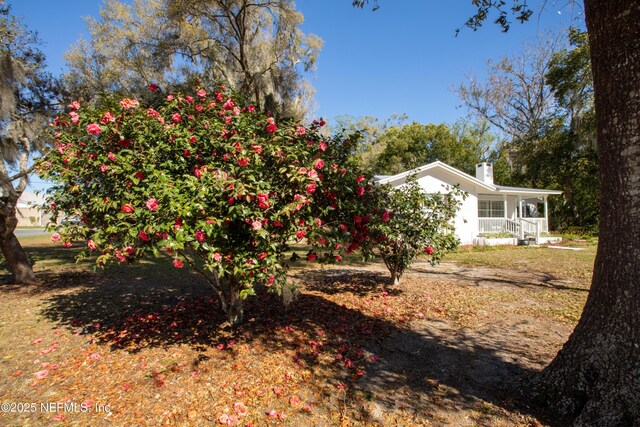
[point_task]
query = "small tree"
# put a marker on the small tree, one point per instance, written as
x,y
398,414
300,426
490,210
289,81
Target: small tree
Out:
x,y
413,223
218,186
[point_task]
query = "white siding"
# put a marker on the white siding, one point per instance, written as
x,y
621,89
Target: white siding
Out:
x,y
466,221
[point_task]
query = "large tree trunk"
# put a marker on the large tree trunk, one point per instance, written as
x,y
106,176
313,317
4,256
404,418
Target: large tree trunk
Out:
x,y
595,378
12,250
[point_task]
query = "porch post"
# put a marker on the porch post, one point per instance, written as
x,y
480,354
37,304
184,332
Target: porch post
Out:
x,y
504,201
546,215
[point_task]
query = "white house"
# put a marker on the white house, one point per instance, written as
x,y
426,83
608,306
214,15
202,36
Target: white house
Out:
x,y
489,210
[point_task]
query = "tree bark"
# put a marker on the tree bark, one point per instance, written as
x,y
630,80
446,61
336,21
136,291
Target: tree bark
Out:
x,y
10,246
595,379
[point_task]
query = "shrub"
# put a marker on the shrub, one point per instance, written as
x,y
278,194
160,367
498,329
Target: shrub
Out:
x,y
218,185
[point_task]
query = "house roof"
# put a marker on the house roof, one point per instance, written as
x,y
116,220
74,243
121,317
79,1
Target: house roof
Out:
x,y
399,179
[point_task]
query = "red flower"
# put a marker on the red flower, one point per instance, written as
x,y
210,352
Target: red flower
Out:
x,y
111,156
429,250
177,263
75,105
360,179
94,129
319,164
104,168
360,191
92,245
385,215
152,113
127,208
271,128
229,104
177,118
200,237
201,93
143,236
243,162
153,87
311,188
323,146
139,175
301,233
311,257
262,256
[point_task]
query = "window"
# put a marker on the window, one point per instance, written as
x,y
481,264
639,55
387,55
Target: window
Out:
x,y
490,209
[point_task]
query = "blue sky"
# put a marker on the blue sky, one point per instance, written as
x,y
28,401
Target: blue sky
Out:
x,y
402,58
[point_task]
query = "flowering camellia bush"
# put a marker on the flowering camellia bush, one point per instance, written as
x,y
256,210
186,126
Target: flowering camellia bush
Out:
x,y
413,223
218,185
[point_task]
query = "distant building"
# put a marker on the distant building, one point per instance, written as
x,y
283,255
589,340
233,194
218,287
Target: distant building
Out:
x,y
30,210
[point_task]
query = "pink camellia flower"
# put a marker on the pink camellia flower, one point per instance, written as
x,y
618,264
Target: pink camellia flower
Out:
x,y
251,108
170,98
201,93
128,103
127,208
152,113
311,188
429,250
243,162
111,156
322,241
177,263
323,146
143,236
94,129
236,111
217,256
312,257
67,244
271,128
55,237
107,117
75,105
300,130
240,408
301,233
256,225
229,104
385,215
92,245
152,204
129,250
177,118
319,164
41,374
104,168
313,174
121,258
75,117
153,87
199,235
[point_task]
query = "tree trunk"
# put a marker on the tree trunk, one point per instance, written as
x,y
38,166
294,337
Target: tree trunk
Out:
x,y
12,250
595,378
231,301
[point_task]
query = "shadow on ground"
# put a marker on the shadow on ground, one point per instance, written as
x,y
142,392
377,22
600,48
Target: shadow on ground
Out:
x,y
419,367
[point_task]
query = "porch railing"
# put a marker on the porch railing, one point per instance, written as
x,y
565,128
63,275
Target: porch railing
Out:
x,y
520,228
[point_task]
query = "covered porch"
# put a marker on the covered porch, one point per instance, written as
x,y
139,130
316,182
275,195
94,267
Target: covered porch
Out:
x,y
513,213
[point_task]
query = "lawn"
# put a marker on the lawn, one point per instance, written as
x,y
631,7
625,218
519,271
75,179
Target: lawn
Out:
x,y
147,345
